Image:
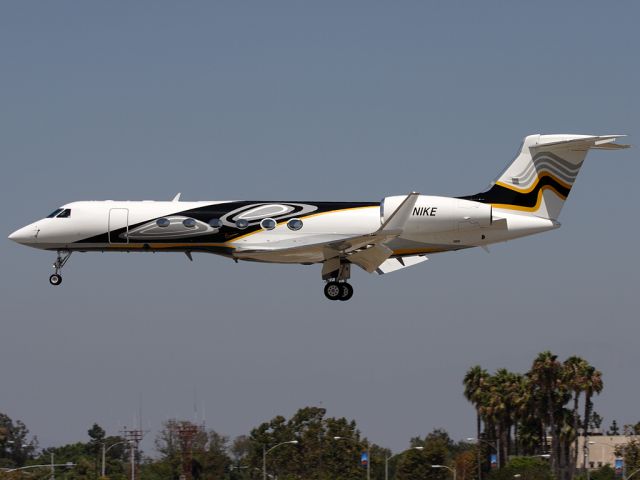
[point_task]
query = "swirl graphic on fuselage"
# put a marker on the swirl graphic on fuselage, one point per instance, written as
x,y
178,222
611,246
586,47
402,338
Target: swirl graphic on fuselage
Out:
x,y
254,213
175,229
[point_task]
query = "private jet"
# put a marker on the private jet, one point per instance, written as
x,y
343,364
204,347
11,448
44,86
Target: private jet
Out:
x,y
379,237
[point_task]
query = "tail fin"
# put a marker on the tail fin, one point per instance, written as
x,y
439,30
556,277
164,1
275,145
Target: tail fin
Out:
x,y
540,178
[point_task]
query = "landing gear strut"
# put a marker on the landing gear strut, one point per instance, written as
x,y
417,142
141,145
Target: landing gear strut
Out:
x,y
337,272
56,278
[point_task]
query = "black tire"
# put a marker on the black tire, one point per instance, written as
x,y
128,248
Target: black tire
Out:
x,y
55,279
346,291
333,291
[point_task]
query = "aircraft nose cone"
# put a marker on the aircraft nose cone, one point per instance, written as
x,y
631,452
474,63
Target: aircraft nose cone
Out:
x,y
25,235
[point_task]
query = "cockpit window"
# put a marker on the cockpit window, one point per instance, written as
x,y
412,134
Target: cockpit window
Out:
x,y
66,213
54,213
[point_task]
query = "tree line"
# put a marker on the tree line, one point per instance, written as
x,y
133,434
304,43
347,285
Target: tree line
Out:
x,y
529,422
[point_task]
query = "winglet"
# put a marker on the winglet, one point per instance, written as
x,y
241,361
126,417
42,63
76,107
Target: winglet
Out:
x,y
401,214
177,197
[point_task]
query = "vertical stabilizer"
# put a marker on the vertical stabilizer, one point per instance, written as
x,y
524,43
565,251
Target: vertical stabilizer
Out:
x,y
540,178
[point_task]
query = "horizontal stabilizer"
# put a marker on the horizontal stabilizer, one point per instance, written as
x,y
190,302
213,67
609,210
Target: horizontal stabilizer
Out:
x,y
600,142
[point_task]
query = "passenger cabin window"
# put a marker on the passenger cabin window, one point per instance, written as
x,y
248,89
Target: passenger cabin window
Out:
x,y
268,224
54,213
294,224
66,213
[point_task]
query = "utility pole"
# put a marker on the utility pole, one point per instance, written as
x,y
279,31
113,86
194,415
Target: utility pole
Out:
x,y
133,438
187,432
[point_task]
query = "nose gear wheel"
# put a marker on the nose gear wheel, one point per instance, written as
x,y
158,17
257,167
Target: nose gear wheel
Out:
x,y
61,260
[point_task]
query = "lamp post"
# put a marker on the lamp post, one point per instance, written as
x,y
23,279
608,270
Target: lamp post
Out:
x,y
451,469
386,460
496,447
105,449
368,453
265,452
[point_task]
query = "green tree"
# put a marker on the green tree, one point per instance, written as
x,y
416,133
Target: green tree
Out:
x,y
416,464
16,447
318,455
523,468
466,464
613,429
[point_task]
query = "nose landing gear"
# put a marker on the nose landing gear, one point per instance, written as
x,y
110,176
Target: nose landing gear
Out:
x,y
63,257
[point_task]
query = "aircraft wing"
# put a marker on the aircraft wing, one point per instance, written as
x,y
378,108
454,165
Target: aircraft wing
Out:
x,y
367,251
316,247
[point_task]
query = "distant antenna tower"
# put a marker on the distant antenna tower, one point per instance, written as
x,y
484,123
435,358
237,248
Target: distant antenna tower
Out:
x,y
133,438
187,432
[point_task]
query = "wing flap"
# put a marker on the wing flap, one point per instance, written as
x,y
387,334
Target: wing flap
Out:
x,y
371,258
398,263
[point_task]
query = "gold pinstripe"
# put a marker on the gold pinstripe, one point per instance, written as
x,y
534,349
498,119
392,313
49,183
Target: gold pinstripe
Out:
x,y
507,206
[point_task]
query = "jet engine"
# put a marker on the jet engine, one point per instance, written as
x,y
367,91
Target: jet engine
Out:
x,y
433,214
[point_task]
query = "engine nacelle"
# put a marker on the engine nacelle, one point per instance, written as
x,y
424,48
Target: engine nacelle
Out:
x,y
440,214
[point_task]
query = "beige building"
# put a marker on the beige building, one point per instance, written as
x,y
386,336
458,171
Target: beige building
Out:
x,y
601,450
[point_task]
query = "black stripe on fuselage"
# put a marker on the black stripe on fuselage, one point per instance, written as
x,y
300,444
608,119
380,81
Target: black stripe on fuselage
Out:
x,y
499,194
227,233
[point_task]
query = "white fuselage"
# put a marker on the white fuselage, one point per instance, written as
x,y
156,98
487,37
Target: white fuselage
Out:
x,y
437,224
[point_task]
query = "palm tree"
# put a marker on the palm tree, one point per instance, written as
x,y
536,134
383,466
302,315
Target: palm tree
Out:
x,y
546,380
475,382
575,369
592,385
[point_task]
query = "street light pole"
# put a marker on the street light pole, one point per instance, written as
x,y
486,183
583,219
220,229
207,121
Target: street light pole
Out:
x,y
585,452
452,470
265,452
386,460
103,469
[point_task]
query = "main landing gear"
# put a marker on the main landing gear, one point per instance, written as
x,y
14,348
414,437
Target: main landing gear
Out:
x,y
338,291
56,278
337,271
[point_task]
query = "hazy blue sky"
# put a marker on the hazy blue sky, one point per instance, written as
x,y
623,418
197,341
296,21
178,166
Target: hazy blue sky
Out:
x,y
309,101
